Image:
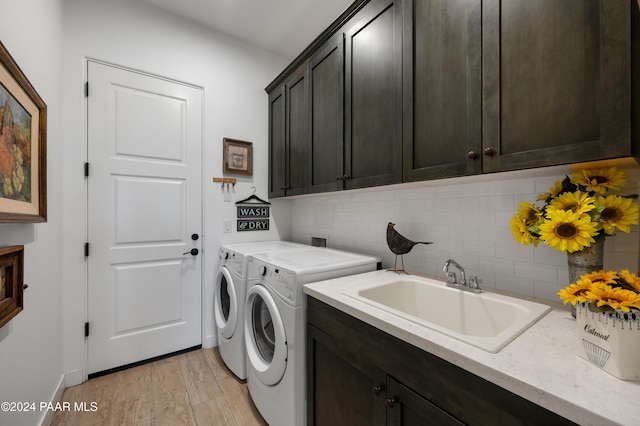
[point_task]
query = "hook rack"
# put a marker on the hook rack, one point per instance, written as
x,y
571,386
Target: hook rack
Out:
x,y
226,190
232,181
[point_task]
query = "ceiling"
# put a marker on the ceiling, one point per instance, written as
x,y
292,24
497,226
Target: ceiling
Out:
x,y
285,27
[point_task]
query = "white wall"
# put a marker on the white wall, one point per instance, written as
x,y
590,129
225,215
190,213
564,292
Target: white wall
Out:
x,y
31,343
233,75
467,219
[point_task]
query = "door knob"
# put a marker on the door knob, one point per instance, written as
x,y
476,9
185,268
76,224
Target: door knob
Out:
x,y
192,252
194,237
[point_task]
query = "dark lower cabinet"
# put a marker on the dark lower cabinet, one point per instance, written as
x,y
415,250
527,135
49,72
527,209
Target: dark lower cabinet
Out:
x,y
346,390
406,407
359,375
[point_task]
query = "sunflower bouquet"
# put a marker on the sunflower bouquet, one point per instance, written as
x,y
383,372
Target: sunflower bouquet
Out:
x,y
577,211
605,291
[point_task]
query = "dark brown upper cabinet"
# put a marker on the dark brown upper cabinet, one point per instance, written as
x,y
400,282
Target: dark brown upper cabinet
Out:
x,y
373,85
407,90
442,86
277,143
556,82
326,85
288,137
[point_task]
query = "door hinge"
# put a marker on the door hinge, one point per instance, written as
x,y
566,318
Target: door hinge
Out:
x,y
86,89
86,249
86,329
86,169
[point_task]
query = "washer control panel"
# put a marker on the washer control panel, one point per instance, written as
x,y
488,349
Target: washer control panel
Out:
x,y
231,260
281,280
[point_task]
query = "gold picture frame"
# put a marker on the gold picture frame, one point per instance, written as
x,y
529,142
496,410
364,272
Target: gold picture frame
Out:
x,y
237,157
23,146
11,282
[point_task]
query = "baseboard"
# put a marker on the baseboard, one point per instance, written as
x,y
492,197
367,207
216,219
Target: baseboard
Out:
x,y
210,341
73,378
47,418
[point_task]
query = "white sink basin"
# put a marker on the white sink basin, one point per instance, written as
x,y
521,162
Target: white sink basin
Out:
x,y
486,320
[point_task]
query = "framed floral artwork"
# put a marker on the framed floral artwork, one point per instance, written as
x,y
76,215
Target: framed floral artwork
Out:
x,y
237,156
23,146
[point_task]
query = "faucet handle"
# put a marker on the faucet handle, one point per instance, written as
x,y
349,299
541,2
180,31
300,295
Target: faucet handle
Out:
x,y
474,282
451,278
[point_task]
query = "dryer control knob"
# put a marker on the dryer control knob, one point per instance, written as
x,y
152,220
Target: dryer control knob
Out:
x,y
226,255
262,270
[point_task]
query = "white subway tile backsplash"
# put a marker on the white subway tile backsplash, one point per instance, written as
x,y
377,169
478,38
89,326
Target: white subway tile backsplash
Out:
x,y
479,248
536,271
515,251
467,221
547,290
515,284
516,186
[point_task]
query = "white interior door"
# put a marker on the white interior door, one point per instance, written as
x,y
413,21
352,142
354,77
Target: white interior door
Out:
x,y
144,212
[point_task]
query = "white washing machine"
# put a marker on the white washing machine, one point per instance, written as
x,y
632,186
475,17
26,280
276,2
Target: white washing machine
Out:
x,y
230,294
275,324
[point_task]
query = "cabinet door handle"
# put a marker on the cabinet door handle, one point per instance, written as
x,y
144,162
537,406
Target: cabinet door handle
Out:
x,y
338,177
390,402
489,152
472,155
377,389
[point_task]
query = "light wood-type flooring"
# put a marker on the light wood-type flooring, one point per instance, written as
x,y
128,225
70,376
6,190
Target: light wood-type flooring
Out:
x,y
194,388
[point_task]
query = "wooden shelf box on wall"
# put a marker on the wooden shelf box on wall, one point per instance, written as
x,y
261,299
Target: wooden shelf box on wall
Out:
x,y
12,282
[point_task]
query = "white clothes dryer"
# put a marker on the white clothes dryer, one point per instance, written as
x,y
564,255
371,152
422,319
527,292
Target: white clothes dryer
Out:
x,y
275,324
230,294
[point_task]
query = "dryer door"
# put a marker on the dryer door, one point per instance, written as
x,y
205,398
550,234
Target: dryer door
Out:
x,y
226,303
265,336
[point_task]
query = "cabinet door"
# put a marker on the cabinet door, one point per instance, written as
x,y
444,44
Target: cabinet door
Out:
x,y
556,82
373,80
341,388
326,85
297,134
277,143
442,87
405,407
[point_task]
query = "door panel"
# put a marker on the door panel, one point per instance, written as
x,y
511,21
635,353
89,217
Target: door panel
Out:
x,y
373,126
297,140
556,82
442,89
277,144
326,80
144,191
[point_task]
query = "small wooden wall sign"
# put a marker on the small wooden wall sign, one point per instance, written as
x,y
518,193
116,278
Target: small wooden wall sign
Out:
x,y
11,282
253,212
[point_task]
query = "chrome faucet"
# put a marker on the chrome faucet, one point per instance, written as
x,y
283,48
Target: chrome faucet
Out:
x,y
452,280
451,276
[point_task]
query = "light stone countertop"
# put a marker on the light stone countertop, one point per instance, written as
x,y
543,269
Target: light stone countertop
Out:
x,y
540,365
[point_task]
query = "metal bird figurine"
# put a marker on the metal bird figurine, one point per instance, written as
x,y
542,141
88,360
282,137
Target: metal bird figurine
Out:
x,y
399,245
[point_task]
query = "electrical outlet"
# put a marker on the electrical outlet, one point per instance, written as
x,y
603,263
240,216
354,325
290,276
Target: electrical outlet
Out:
x,y
228,226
